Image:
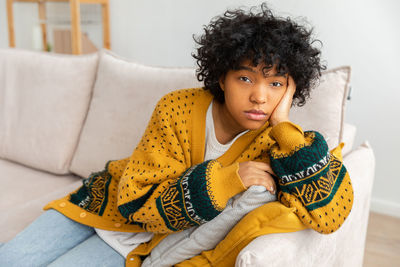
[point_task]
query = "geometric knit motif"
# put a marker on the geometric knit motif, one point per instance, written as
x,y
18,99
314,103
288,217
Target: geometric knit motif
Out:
x,y
93,195
311,173
303,161
186,202
314,181
318,190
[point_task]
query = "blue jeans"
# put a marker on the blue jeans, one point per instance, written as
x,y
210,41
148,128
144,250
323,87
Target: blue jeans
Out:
x,y
55,240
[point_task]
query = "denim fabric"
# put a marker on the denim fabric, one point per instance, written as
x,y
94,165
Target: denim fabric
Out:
x,y
53,239
91,252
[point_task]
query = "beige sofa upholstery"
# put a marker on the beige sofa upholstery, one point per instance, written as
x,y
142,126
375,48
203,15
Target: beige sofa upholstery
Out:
x,y
62,117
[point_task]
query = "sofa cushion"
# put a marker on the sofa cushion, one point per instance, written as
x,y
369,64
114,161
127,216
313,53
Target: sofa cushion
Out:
x,y
324,111
124,96
44,99
24,192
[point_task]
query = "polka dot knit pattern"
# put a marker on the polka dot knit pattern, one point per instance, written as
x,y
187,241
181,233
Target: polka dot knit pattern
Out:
x,y
165,186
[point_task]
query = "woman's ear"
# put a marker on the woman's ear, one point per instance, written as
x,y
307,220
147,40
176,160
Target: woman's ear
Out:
x,y
221,81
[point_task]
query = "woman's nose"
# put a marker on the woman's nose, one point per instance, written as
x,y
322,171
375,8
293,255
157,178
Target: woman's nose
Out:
x,y
259,95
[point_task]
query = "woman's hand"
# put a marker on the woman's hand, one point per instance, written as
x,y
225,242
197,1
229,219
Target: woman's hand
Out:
x,y
257,173
281,111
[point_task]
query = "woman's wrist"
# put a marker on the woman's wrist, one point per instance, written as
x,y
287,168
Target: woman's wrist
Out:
x,y
277,121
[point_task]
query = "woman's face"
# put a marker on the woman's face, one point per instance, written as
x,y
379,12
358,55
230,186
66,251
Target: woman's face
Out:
x,y
251,95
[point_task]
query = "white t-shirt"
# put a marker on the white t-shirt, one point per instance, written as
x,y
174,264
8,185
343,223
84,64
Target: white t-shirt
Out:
x,y
124,242
215,149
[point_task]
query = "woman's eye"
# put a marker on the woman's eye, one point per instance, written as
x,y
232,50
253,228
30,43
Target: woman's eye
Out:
x,y
245,79
276,84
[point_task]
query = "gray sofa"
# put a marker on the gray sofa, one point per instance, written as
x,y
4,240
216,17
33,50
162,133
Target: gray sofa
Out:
x,y
63,117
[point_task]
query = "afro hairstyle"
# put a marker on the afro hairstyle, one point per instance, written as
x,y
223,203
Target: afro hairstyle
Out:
x,y
262,38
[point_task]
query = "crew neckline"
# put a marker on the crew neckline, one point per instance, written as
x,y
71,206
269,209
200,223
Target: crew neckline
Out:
x,y
211,136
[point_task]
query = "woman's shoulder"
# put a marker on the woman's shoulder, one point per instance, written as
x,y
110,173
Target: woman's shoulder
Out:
x,y
182,103
185,95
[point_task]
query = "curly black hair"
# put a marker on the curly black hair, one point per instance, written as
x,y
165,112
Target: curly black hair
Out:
x,y
260,37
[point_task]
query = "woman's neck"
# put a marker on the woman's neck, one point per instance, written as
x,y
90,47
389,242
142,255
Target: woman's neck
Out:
x,y
225,127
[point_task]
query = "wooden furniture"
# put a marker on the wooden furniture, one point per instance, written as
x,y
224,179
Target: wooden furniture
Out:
x,y
75,21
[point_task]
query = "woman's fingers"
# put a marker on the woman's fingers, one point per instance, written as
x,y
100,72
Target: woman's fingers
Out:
x,y
257,173
263,166
264,179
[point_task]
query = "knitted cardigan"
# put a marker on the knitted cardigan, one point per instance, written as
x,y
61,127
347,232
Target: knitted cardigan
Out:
x,y
165,186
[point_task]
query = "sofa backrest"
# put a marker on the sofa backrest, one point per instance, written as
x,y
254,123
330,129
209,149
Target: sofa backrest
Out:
x,y
63,113
44,99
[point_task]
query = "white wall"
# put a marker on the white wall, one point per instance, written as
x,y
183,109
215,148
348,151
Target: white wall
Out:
x,y
360,33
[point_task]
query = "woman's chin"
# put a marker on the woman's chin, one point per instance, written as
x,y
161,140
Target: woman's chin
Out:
x,y
254,125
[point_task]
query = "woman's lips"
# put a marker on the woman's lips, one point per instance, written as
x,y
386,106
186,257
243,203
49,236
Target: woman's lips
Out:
x,y
255,115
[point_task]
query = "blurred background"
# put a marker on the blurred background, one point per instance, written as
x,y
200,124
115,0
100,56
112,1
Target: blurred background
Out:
x,y
363,34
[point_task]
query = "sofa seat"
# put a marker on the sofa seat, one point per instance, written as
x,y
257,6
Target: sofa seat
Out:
x,y
25,191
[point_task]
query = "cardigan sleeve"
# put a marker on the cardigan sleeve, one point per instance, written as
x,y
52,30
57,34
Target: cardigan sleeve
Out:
x,y
310,177
195,197
160,189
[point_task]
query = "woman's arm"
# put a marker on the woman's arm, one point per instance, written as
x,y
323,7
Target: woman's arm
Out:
x,y
311,178
194,197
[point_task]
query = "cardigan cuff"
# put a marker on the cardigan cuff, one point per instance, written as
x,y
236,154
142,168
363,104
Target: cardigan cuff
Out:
x,y
288,135
224,183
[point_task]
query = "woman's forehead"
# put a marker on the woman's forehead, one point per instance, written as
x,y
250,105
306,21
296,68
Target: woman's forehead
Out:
x,y
270,70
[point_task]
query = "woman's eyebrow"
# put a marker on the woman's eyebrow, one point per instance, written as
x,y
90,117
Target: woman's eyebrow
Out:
x,y
275,75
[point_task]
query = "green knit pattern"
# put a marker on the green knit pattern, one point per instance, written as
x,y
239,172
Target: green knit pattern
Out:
x,y
186,203
93,194
311,174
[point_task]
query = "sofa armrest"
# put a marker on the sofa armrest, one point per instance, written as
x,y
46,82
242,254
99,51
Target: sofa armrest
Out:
x,y
348,137
345,247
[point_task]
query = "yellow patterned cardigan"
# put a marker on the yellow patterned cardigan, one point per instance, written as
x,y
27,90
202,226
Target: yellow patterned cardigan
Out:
x,y
165,186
